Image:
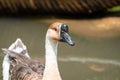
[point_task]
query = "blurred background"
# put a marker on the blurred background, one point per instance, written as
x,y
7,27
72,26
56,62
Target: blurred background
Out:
x,y
94,26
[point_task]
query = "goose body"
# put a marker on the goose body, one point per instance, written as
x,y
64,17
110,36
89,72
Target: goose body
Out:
x,y
17,47
25,68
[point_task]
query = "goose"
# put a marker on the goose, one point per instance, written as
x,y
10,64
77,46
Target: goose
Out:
x,y
25,68
18,47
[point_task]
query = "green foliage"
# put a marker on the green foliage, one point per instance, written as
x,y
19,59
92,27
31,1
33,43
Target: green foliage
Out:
x,y
114,9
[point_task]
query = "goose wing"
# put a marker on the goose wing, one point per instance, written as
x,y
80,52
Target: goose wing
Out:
x,y
18,47
24,68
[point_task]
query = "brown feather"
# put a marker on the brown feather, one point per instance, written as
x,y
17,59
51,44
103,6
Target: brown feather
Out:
x,y
24,68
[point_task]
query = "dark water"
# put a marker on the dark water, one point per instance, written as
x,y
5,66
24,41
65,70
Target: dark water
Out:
x,y
89,59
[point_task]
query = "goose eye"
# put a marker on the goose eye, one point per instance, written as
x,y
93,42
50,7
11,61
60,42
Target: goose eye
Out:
x,y
55,29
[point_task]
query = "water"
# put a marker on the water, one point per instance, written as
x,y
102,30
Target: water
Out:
x,y
89,59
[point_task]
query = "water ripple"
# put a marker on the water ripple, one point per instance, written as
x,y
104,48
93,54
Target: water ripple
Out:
x,y
96,60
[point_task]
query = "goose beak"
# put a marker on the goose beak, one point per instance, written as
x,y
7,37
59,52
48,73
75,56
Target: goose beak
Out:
x,y
64,35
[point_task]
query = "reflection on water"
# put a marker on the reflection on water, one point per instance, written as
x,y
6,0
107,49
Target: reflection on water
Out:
x,y
89,59
89,71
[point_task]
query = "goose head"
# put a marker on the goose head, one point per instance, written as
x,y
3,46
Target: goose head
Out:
x,y
59,32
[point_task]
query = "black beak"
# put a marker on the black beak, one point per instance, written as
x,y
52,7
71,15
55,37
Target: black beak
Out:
x,y
64,35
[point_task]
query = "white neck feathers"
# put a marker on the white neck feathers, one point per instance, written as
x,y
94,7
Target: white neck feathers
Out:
x,y
51,66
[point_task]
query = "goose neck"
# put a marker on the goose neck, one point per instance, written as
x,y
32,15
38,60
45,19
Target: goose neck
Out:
x,y
51,50
51,71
